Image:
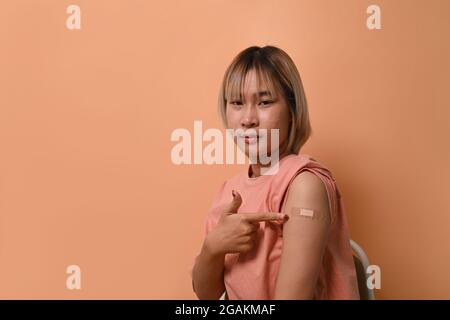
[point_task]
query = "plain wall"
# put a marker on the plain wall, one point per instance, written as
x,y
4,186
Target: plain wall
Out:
x,y
86,117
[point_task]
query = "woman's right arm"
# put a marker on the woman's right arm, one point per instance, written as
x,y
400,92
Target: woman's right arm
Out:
x,y
234,233
207,274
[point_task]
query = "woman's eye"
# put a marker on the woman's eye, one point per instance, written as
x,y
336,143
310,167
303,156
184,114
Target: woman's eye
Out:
x,y
266,102
235,103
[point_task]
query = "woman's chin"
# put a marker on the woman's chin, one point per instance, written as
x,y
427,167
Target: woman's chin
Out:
x,y
254,156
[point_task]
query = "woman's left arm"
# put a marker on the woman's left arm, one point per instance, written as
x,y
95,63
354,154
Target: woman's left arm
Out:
x,y
305,235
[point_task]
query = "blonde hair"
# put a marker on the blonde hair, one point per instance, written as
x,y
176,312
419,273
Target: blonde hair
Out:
x,y
276,70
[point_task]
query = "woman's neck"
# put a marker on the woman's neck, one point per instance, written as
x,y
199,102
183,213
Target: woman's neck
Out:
x,y
255,169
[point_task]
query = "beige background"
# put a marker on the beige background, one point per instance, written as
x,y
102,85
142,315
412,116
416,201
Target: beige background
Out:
x,y
86,116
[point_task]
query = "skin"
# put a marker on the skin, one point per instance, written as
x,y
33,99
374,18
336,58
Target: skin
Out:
x,y
234,233
304,239
259,112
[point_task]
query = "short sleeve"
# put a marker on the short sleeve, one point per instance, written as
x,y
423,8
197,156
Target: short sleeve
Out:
x,y
209,221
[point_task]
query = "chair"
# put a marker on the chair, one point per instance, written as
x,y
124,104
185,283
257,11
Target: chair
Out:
x,y
361,264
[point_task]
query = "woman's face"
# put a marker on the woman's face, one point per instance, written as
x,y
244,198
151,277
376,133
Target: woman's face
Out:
x,y
259,111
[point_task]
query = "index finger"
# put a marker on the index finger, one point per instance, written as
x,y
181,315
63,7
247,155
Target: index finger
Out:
x,y
263,216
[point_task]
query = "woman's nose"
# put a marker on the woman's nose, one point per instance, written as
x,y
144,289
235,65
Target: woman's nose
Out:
x,y
249,118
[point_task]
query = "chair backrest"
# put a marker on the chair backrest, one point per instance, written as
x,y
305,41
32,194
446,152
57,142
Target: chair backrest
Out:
x,y
361,264
361,261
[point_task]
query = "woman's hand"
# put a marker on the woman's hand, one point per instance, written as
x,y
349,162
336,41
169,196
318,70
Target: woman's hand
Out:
x,y
236,232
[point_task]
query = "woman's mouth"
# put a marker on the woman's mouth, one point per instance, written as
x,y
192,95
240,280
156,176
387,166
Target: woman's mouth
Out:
x,y
250,139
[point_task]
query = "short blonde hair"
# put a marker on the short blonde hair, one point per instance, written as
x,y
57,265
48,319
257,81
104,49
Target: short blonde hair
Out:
x,y
276,70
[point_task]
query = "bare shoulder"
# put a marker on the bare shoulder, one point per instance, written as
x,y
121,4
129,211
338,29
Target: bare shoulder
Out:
x,y
307,190
308,184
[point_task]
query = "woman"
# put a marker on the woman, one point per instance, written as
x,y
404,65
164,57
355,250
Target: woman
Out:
x,y
281,235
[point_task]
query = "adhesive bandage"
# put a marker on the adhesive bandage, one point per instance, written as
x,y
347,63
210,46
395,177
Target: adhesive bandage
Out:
x,y
305,213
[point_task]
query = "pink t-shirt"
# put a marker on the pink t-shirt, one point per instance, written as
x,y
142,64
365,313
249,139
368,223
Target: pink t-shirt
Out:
x,y
253,275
